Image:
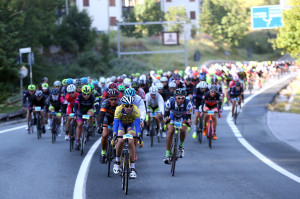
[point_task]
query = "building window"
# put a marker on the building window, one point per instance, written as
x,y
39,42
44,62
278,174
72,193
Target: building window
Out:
x,y
86,3
169,0
192,15
113,21
112,2
192,0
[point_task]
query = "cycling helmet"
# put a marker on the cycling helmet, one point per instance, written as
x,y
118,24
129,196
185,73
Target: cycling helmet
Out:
x,y
164,79
84,80
57,83
45,86
202,78
153,90
157,77
172,85
121,88
142,82
86,90
129,92
137,74
91,86
31,87
159,86
213,88
120,80
102,80
69,81
176,77
214,80
237,84
55,91
235,78
112,85
195,74
143,77
169,73
188,79
78,82
113,78
71,88
180,91
127,100
127,82
95,83
123,76
202,85
113,93
135,84
38,93
64,82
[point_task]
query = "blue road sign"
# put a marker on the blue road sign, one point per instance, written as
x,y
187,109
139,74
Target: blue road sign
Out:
x,y
266,17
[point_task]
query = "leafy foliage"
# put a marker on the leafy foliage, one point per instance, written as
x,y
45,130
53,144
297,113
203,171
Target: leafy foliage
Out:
x,y
288,37
224,20
176,13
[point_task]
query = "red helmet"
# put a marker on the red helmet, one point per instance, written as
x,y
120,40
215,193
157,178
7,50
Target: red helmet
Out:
x,y
113,93
112,85
120,80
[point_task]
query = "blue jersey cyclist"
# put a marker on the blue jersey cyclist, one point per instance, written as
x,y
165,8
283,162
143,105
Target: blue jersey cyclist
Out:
x,y
177,109
236,92
126,121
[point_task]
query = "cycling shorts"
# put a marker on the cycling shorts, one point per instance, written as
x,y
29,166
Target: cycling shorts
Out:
x,y
205,109
79,114
126,128
173,118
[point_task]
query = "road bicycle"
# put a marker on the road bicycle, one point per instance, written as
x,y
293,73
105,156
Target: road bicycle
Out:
x,y
153,128
110,154
200,129
236,109
210,127
174,147
30,122
72,130
85,133
37,109
54,125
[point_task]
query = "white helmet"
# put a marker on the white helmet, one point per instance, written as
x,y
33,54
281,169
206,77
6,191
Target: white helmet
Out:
x,y
108,80
202,85
153,90
113,78
164,79
159,86
172,85
102,80
143,77
127,82
155,82
57,83
71,88
235,78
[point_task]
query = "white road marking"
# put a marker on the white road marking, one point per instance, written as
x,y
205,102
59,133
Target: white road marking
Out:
x,y
80,184
250,148
12,129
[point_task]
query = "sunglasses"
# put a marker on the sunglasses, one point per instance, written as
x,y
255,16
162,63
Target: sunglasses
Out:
x,y
213,91
128,106
57,86
113,99
31,91
72,92
85,94
180,98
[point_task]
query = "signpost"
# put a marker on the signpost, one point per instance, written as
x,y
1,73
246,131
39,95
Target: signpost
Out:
x,y
266,17
30,59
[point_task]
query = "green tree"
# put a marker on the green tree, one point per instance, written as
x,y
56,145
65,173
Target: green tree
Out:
x,y
75,32
176,13
149,11
224,20
130,31
288,37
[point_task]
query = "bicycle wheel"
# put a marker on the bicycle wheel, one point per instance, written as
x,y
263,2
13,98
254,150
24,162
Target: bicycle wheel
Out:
x,y
210,135
64,122
174,155
159,135
152,133
108,155
127,172
72,133
82,141
123,170
235,113
53,130
200,130
38,127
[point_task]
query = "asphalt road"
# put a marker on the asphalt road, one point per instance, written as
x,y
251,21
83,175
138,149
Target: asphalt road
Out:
x,y
31,168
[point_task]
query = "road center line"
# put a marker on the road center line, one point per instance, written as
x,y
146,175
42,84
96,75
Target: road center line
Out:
x,y
250,148
12,129
80,184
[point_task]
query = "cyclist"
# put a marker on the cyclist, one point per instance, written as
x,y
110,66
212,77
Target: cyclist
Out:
x,y
139,91
179,83
111,86
84,104
84,81
236,92
39,100
78,85
189,87
70,99
126,120
177,108
107,112
160,87
54,103
45,89
57,84
28,96
201,89
195,78
166,92
172,88
212,100
154,103
214,81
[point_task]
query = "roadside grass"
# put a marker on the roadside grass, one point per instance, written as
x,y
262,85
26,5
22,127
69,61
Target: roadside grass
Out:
x,y
8,108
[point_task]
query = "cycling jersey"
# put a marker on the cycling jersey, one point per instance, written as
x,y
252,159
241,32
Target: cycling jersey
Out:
x,y
234,92
82,106
41,102
141,106
71,102
174,111
166,93
198,97
107,112
47,93
189,88
27,97
55,102
127,122
211,102
158,101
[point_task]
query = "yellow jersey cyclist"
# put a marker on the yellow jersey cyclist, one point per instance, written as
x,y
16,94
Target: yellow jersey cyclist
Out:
x,y
178,108
126,120
84,104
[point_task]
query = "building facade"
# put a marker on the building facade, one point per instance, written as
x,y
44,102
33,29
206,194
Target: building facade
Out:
x,y
106,13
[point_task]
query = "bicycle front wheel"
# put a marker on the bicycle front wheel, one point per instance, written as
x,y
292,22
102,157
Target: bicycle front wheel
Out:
x,y
127,172
210,135
108,156
174,155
